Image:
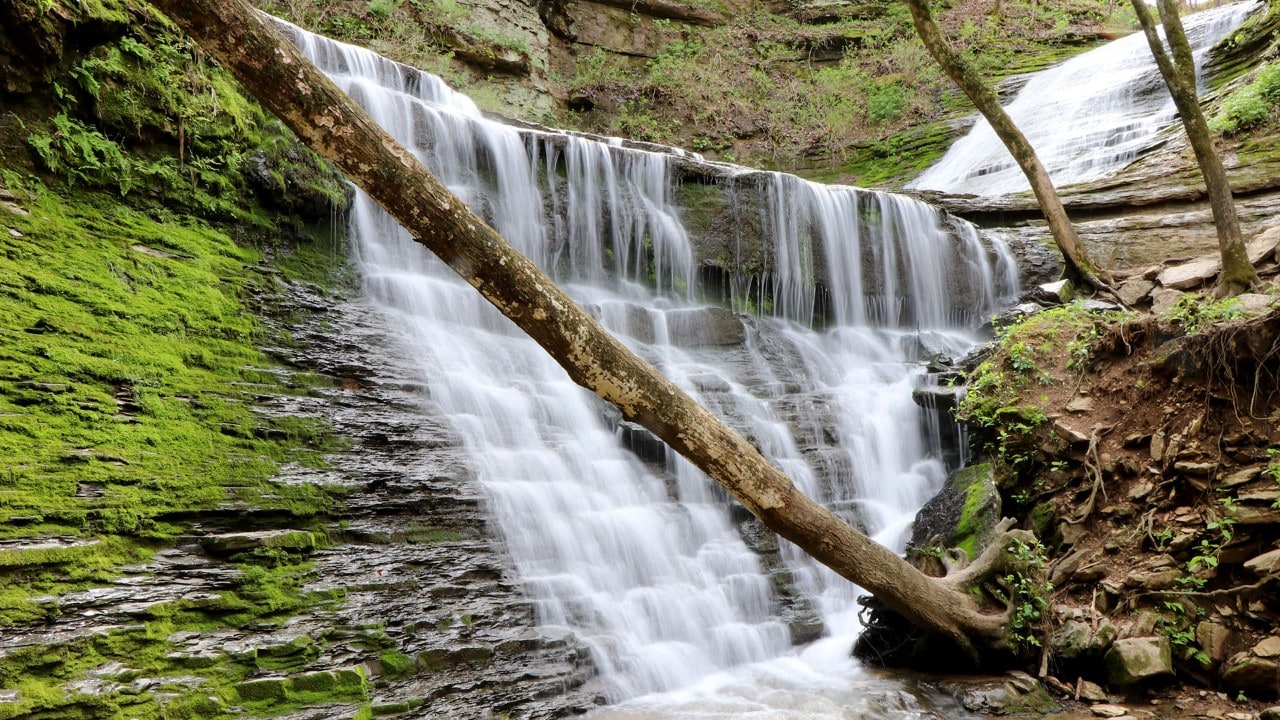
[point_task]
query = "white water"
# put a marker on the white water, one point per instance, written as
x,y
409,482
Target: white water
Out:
x,y
643,562
1086,118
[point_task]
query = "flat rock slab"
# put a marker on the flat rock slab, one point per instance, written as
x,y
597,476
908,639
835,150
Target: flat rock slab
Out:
x,y
232,543
1190,275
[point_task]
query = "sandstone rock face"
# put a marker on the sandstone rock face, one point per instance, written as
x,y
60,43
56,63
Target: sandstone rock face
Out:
x,y
1134,660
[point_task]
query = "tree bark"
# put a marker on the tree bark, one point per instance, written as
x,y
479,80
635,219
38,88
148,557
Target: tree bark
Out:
x,y
329,122
1079,266
1179,73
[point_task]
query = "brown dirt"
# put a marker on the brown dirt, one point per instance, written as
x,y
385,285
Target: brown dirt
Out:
x,y
1150,483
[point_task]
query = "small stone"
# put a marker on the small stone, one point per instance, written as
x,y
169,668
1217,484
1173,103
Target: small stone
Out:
x,y
1195,468
1141,489
1154,580
1109,711
1072,436
8,696
13,232
1092,692
1080,405
1264,496
1239,716
1058,291
1265,565
1157,446
1240,477
1058,686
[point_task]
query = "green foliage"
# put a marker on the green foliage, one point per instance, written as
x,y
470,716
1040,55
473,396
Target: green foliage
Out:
x,y
1028,597
1217,534
82,154
1177,624
1251,106
1194,312
1273,470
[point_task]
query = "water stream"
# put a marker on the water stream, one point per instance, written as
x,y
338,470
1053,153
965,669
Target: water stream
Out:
x,y
631,548
1086,117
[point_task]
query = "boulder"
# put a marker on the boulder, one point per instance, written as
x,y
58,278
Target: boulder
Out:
x,y
1163,300
1014,694
943,398
1264,246
1134,660
1135,290
1253,675
1213,638
709,326
1265,565
1109,711
1255,303
1271,713
962,515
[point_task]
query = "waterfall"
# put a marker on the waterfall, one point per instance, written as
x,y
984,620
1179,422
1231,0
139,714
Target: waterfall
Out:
x,y
1086,117
635,551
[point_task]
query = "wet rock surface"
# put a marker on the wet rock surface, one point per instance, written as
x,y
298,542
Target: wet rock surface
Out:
x,y
425,618
431,612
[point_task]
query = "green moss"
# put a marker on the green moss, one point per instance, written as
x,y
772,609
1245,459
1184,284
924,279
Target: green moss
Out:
x,y
975,479
396,664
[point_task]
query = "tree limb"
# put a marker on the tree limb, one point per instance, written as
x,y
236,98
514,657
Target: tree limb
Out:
x,y
329,122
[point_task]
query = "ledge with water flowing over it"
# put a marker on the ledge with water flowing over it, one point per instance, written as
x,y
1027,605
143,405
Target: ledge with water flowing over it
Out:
x,y
1154,206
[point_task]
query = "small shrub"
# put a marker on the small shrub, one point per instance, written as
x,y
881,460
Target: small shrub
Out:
x,y
1251,106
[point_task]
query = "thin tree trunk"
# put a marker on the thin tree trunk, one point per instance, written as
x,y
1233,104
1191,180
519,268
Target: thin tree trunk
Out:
x,y
1179,73
1076,258
329,122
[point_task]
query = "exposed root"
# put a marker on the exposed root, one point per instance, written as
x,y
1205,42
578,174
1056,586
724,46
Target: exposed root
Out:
x,y
993,559
1239,362
1093,468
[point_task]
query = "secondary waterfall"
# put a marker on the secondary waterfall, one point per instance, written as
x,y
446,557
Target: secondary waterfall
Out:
x,y
1086,117
630,547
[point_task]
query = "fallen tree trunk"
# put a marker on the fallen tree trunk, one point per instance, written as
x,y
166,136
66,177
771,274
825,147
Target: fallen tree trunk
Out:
x,y
329,122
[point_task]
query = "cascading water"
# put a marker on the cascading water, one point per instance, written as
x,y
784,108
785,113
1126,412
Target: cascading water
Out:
x,y
643,560
1086,118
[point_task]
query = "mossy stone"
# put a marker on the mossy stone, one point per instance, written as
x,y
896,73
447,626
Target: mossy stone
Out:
x,y
259,691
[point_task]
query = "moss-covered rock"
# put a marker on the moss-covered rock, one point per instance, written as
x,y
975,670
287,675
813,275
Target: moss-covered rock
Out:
x,y
962,515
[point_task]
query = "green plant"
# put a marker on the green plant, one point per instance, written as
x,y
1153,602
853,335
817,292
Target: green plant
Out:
x,y
1028,597
381,9
1194,312
1273,470
1176,624
1250,106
